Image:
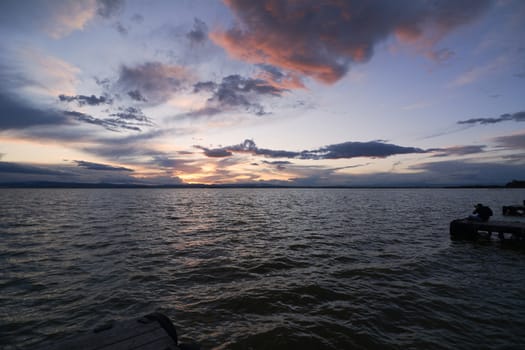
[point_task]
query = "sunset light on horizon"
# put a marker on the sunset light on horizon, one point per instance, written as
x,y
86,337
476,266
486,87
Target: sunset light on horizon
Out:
x,y
294,93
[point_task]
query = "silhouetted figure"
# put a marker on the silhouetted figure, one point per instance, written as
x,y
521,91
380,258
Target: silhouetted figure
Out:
x,y
481,213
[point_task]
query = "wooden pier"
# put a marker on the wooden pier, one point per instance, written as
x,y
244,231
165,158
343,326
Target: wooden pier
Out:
x,y
513,210
507,231
151,332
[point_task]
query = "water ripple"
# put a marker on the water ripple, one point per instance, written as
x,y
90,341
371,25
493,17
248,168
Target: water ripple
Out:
x,y
265,268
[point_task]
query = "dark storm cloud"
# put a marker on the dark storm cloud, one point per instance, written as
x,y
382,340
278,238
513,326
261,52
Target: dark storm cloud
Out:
x,y
457,150
98,166
199,33
17,168
234,92
346,150
152,81
517,117
83,100
321,39
18,114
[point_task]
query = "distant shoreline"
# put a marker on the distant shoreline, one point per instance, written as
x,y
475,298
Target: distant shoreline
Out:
x,y
229,186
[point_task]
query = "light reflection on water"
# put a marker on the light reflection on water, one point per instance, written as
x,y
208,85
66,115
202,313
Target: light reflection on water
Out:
x,y
260,268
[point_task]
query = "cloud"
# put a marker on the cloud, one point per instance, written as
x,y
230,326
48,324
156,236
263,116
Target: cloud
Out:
x,y
515,141
321,39
457,150
517,117
132,114
152,81
98,166
279,164
60,19
480,72
215,153
83,100
249,147
55,18
137,18
202,112
441,173
110,8
111,124
131,148
104,83
178,165
199,33
31,71
234,92
84,172
18,114
517,158
441,55
115,150
136,96
119,27
346,150
374,149
279,78
17,168
467,172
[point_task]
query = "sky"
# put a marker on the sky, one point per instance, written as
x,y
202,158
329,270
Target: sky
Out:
x,y
282,92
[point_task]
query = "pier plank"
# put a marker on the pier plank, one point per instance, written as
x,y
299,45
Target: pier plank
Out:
x,y
469,229
141,334
513,210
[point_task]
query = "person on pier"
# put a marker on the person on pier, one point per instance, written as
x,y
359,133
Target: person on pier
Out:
x,y
481,213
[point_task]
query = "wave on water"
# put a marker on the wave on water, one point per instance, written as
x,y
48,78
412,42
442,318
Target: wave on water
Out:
x,y
259,268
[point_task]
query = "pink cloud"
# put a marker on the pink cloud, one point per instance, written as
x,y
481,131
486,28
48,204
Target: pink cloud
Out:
x,y
322,39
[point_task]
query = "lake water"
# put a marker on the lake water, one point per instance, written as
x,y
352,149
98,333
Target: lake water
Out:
x,y
260,268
